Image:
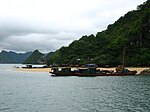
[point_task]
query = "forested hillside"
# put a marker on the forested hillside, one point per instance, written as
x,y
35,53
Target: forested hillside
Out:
x,y
35,58
130,32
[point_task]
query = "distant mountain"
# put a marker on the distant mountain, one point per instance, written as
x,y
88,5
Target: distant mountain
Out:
x,y
36,58
131,31
13,57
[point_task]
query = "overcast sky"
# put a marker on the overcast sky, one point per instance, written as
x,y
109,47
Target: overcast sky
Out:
x,y
47,25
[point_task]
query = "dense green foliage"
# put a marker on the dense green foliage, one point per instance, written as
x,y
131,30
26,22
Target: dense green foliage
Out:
x,y
35,58
48,57
132,32
12,57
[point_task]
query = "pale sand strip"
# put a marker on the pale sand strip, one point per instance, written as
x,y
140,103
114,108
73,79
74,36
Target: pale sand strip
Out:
x,y
138,69
33,69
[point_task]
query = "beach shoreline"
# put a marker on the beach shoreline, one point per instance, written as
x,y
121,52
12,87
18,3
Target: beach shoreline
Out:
x,y
138,69
32,69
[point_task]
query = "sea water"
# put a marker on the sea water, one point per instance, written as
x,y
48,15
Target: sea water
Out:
x,y
38,92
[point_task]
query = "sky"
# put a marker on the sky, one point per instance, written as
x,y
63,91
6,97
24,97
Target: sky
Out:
x,y
47,25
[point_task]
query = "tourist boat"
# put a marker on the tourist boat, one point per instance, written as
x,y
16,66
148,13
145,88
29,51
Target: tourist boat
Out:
x,y
91,72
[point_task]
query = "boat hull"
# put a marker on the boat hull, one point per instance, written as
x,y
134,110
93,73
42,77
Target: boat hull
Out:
x,y
58,74
55,74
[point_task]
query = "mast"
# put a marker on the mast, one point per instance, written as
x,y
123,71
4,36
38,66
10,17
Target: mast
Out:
x,y
123,61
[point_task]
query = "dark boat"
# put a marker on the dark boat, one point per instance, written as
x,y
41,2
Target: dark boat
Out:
x,y
91,72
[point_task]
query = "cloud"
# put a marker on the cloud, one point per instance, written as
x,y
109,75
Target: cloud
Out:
x,y
47,25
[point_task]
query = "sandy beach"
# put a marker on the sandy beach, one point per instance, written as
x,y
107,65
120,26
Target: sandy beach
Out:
x,y
138,69
33,69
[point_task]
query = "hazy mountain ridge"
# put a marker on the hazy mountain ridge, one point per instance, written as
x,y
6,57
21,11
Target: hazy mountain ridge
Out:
x,y
39,58
13,57
131,31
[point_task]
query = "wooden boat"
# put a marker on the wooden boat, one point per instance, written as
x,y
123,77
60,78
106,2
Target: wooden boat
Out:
x,y
105,74
90,72
65,71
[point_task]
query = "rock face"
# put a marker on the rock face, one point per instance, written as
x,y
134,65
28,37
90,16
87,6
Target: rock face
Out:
x,y
145,72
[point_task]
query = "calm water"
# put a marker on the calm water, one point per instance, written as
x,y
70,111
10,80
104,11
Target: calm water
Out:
x,y
38,92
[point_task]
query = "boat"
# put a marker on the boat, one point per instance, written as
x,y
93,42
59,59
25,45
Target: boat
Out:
x,y
91,72
64,71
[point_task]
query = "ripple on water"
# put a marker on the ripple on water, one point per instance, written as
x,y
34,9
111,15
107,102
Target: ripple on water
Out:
x,y
2,109
25,92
